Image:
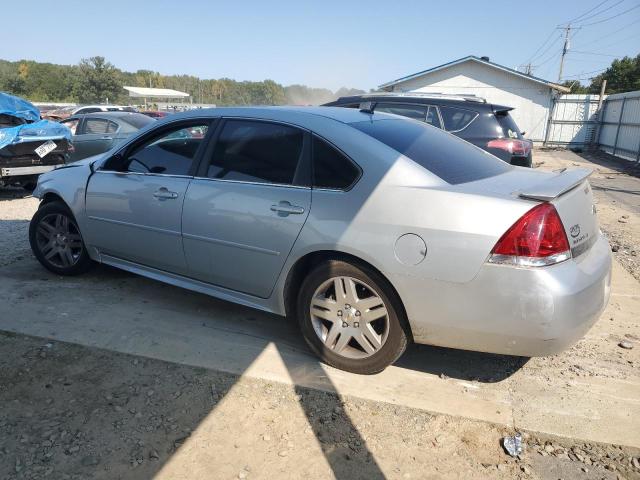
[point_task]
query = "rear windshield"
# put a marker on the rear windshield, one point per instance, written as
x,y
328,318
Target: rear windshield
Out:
x,y
508,125
137,120
450,158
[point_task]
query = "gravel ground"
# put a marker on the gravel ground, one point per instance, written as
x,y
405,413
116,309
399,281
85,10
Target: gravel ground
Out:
x,y
71,412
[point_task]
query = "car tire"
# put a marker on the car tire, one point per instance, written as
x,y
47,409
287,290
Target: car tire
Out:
x,y
372,344
56,240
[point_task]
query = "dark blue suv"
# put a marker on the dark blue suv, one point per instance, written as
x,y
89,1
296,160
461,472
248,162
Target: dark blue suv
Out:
x,y
487,126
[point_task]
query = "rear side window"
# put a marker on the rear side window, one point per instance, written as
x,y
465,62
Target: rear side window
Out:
x,y
450,158
331,169
456,119
253,151
137,121
508,125
417,112
433,118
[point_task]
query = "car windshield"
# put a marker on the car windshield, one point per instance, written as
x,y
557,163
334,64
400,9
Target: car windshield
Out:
x,y
137,120
450,158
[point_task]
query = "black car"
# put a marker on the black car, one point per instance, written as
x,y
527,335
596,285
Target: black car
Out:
x,y
471,118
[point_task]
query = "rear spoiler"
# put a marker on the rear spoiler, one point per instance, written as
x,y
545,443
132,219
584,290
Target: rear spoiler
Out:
x,y
501,109
562,182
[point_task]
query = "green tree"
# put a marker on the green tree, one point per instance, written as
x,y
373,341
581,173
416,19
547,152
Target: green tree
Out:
x,y
575,86
622,76
97,81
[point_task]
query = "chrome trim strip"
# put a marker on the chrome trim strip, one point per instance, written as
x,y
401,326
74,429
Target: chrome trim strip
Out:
x,y
227,243
128,224
142,173
262,184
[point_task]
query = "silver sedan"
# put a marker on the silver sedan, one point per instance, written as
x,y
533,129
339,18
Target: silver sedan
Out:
x,y
370,229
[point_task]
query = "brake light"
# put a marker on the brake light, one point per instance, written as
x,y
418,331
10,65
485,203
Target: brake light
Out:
x,y
536,239
514,147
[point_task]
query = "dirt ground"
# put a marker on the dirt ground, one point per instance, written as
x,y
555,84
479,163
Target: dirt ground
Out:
x,y
75,412
72,412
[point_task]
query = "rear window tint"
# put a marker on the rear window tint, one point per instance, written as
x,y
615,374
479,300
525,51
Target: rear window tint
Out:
x,y
508,125
455,119
450,158
417,112
137,120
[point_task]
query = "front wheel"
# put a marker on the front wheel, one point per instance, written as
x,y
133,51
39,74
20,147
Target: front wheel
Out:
x,y
56,240
351,317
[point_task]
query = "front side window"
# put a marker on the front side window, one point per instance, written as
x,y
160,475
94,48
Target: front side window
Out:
x,y
417,112
254,151
456,119
171,153
331,169
71,125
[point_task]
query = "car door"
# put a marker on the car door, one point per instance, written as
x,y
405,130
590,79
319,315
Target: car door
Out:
x,y
134,202
244,211
95,135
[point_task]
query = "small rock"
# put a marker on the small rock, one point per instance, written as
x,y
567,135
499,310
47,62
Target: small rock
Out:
x,y
150,393
585,469
615,248
90,461
622,220
549,448
525,469
283,453
242,474
626,345
153,455
266,437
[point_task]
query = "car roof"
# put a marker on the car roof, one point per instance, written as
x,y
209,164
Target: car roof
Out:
x,y
340,114
111,114
416,97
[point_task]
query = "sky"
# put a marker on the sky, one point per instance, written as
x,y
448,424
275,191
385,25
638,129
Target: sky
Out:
x,y
330,44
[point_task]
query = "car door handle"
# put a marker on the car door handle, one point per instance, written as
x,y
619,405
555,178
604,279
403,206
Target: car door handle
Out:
x,y
163,193
286,208
107,137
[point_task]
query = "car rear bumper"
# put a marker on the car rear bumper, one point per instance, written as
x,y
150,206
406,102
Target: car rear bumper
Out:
x,y
515,311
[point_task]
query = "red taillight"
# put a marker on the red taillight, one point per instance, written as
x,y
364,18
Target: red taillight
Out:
x,y
536,239
514,147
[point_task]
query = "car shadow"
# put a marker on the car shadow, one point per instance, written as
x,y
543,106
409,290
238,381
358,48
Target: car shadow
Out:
x,y
607,160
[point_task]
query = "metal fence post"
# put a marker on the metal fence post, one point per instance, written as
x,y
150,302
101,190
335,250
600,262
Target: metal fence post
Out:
x,y
601,117
615,143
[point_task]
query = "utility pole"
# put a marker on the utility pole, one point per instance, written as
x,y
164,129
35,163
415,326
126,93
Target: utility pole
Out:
x,y
528,68
565,49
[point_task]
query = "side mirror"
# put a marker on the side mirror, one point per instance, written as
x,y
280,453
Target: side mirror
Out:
x,y
115,163
523,133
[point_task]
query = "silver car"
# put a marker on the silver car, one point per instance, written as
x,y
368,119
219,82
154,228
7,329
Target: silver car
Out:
x,y
371,229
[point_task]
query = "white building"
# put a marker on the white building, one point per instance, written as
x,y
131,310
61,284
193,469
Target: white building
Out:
x,y
531,97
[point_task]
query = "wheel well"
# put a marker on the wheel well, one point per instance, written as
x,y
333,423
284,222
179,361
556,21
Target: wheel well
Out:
x,y
306,263
51,197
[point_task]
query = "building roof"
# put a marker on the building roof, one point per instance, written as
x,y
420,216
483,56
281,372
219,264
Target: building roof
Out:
x,y
155,92
473,58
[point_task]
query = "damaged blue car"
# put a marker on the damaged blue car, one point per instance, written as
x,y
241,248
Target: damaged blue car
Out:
x,y
29,146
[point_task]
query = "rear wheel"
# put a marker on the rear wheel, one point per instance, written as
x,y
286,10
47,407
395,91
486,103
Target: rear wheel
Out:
x,y
351,317
56,240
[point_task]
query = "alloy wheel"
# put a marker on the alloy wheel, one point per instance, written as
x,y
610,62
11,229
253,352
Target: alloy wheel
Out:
x,y
349,317
59,240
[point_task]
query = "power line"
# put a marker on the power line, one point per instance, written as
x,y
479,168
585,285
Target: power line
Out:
x,y
609,18
596,53
602,11
542,46
585,13
599,39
